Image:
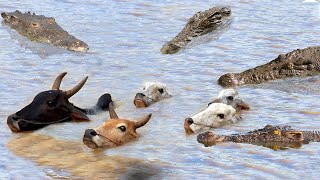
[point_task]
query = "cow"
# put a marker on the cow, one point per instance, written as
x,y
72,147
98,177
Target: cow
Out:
x,y
53,106
223,110
113,132
152,92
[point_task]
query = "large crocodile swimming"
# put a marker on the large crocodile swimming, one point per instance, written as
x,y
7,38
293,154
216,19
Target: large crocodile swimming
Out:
x,y
200,24
274,137
42,29
300,62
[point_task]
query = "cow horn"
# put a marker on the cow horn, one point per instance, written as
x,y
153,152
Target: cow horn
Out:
x,y
57,82
112,113
74,90
143,121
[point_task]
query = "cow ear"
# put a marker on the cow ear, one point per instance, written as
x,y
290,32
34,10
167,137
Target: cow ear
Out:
x,y
134,134
79,117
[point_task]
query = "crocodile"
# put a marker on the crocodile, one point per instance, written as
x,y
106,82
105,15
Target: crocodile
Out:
x,y
42,29
298,63
274,137
200,24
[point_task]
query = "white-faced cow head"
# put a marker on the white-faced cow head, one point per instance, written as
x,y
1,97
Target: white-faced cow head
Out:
x,y
225,109
152,92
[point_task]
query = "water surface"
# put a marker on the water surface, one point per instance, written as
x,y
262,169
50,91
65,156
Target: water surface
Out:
x,y
125,38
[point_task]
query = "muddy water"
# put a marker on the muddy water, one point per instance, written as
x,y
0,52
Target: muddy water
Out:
x,y
125,38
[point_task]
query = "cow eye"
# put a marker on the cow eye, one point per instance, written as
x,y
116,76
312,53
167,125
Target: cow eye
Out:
x,y
51,103
220,116
122,128
230,98
160,90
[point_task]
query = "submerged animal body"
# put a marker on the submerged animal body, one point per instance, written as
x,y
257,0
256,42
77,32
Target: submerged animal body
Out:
x,y
298,63
200,24
223,110
113,132
53,106
274,137
42,29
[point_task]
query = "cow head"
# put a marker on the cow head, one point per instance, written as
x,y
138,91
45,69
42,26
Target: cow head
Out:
x,y
224,109
152,92
113,132
48,107
215,115
230,97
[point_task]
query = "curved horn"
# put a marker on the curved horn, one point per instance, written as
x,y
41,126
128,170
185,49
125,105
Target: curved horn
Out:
x,y
112,113
143,121
57,82
74,90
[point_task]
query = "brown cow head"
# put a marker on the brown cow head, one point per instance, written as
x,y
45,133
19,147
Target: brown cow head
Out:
x,y
114,131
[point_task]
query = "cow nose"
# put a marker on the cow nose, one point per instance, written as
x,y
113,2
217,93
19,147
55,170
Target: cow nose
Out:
x,y
189,120
12,122
187,123
90,133
140,94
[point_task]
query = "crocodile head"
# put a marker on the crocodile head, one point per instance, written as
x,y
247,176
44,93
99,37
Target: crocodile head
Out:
x,y
42,29
268,134
74,44
209,138
169,48
297,63
229,80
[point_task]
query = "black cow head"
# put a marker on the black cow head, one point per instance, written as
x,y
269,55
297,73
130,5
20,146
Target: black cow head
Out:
x,y
48,107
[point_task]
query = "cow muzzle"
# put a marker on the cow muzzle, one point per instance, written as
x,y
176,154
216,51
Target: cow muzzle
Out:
x,y
187,123
141,100
12,122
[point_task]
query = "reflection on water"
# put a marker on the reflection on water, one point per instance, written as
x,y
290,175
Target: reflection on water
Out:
x,y
126,37
78,161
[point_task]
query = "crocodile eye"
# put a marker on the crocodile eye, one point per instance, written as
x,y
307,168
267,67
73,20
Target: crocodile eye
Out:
x,y
51,20
221,116
34,25
122,128
160,90
230,98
